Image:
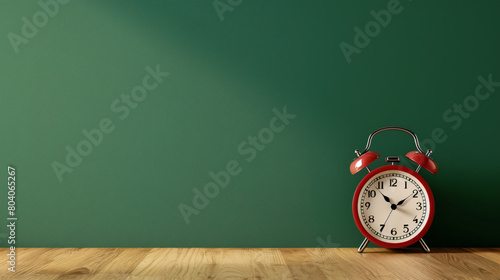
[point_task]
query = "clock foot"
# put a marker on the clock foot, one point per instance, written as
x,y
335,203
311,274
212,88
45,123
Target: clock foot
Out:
x,y
363,245
424,245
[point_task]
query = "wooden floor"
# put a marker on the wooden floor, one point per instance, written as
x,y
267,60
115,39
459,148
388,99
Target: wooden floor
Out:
x,y
201,263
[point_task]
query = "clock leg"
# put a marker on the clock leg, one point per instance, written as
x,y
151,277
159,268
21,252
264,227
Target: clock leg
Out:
x,y
424,245
363,245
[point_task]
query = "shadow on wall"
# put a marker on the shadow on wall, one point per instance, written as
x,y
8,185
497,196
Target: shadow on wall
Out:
x,y
461,211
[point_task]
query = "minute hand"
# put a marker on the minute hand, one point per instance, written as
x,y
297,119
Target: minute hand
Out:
x,y
402,201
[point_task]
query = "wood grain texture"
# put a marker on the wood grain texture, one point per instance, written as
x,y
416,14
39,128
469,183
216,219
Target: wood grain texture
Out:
x,y
247,263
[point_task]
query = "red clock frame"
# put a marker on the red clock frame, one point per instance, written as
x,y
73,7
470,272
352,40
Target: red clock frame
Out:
x,y
359,223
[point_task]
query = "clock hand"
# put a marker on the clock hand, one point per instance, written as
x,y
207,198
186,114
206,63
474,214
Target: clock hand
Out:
x,y
385,197
402,201
387,218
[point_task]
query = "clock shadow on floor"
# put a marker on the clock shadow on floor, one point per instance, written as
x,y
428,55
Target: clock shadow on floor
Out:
x,y
416,249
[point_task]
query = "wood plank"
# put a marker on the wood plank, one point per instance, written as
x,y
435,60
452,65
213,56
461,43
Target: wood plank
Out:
x,y
200,263
468,263
301,264
169,263
123,264
491,254
78,262
259,263
381,263
64,262
28,260
247,263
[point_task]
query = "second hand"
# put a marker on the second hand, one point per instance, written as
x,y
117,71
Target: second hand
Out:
x,y
388,217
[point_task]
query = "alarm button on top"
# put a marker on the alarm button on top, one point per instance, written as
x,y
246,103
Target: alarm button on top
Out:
x,y
392,159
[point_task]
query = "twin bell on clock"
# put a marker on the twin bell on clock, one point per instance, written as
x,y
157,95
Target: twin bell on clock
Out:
x,y
393,205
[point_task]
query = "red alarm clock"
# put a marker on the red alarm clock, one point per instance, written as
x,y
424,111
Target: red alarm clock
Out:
x,y
393,205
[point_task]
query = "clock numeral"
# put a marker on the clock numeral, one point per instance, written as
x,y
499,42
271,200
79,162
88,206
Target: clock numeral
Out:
x,y
406,184
367,205
380,185
393,182
415,194
372,193
381,227
393,231
415,220
406,229
371,219
419,205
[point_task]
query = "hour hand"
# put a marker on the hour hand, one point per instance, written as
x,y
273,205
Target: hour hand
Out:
x,y
385,197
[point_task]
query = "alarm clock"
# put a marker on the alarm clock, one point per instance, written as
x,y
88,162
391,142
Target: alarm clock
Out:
x,y
393,205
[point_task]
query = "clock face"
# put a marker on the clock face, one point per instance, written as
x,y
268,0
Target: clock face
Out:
x,y
394,206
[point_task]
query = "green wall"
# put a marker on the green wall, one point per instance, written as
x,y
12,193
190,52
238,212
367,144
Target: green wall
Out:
x,y
228,71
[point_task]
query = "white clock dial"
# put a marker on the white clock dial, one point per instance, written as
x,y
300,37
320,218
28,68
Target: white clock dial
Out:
x,y
393,206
